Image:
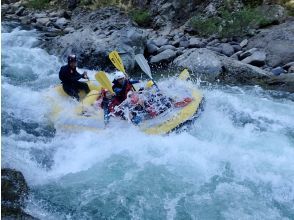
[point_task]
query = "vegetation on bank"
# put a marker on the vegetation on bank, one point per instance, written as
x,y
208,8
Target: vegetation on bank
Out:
x,y
38,4
230,23
141,17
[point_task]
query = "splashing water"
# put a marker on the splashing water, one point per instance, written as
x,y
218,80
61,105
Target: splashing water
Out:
x,y
236,162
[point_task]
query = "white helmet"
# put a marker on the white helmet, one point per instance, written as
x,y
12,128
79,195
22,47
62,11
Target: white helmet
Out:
x,y
119,75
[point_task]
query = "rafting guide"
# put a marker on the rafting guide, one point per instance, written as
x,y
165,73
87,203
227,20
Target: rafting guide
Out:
x,y
70,77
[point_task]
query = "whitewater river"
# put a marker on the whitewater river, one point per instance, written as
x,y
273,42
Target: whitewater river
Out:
x,y
236,162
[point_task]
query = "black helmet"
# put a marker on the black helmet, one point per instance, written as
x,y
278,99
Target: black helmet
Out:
x,y
71,58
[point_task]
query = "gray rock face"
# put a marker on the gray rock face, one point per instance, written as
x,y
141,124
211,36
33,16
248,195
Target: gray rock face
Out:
x,y
98,33
200,61
165,56
278,43
256,59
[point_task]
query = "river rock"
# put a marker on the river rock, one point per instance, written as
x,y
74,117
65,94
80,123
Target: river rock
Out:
x,y
151,47
61,23
277,42
200,61
4,8
226,49
236,48
236,55
43,21
40,15
236,72
14,191
165,56
195,43
20,11
278,71
256,59
244,43
284,82
288,65
291,69
165,47
160,41
25,20
247,53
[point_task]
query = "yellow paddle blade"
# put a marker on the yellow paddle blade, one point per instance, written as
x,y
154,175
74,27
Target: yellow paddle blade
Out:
x,y
184,75
117,61
104,81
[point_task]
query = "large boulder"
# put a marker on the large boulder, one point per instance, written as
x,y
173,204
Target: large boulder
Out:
x,y
256,59
283,82
278,43
236,72
200,61
165,56
14,191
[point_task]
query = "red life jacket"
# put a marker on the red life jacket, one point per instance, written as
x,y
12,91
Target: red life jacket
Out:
x,y
120,98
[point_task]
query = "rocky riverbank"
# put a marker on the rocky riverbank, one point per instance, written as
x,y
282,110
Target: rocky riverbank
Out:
x,y
263,57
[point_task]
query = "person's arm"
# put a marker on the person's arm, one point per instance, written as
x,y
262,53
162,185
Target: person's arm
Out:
x,y
76,76
117,90
134,81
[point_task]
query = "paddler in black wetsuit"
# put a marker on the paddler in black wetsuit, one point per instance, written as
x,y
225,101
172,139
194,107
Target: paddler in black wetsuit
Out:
x,y
69,77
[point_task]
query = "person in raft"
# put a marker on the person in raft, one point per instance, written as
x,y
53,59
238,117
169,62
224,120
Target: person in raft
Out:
x,y
121,87
70,77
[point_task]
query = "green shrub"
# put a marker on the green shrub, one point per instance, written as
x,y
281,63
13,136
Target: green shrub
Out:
x,y
141,17
252,3
38,4
229,24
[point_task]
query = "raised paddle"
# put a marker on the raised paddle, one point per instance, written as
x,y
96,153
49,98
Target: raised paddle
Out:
x,y
142,62
104,81
184,75
117,62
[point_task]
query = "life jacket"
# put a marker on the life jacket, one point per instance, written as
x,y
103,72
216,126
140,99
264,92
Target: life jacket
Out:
x,y
119,98
183,103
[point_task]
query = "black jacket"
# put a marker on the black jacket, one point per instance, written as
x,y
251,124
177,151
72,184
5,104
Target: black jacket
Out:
x,y
68,75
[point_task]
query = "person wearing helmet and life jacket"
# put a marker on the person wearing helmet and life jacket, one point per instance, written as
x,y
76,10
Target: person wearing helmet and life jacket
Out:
x,y
70,77
121,87
105,97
